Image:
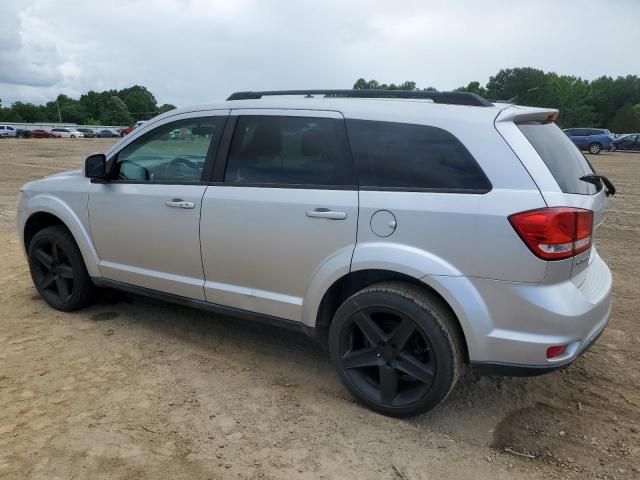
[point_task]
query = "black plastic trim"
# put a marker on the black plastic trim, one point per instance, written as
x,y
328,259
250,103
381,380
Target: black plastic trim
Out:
x,y
453,98
513,369
284,185
207,306
470,191
220,164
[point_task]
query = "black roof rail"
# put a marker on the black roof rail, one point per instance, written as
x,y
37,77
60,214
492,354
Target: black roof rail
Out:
x,y
454,98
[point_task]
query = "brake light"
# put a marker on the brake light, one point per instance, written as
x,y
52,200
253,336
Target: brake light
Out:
x,y
555,233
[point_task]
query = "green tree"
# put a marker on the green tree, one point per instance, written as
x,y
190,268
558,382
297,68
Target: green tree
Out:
x,y
626,120
140,102
474,87
115,112
165,107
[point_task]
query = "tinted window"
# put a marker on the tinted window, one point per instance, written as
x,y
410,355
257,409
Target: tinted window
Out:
x,y
289,150
564,160
398,155
596,132
174,152
580,132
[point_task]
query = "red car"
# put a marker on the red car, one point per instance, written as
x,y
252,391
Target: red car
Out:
x,y
42,134
128,130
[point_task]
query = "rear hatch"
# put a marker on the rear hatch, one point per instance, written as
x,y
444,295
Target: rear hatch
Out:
x,y
558,176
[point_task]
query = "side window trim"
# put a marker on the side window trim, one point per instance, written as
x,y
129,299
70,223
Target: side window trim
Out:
x,y
222,157
209,158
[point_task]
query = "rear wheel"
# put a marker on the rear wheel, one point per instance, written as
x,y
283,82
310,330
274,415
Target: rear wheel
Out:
x,y
595,148
58,270
396,348
73,136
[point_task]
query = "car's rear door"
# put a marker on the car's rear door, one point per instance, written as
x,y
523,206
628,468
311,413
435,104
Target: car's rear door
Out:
x,y
145,220
283,205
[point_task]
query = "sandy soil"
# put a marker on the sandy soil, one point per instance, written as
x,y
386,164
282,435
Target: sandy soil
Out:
x,y
131,388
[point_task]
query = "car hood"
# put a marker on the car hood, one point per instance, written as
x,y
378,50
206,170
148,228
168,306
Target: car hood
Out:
x,y
69,173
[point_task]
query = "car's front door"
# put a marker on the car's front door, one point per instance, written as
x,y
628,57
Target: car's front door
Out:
x,y
282,212
145,219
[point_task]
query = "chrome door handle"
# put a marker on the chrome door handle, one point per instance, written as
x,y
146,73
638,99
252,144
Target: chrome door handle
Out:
x,y
326,213
179,203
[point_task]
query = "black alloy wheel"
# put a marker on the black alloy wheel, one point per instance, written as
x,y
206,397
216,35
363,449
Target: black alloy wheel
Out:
x,y
58,270
387,357
396,348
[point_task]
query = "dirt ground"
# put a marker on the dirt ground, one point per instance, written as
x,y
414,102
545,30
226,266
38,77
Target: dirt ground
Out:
x,y
132,388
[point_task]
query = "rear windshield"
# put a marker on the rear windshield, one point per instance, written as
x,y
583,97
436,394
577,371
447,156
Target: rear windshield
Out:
x,y
561,156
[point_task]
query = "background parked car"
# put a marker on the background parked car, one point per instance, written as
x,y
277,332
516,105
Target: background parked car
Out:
x,y
42,134
87,132
630,141
8,131
131,128
68,132
106,134
594,140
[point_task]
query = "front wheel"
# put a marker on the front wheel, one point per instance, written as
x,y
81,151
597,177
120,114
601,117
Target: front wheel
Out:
x,y
595,148
58,270
397,349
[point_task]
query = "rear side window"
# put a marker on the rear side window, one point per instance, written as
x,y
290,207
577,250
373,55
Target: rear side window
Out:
x,y
563,159
405,156
277,150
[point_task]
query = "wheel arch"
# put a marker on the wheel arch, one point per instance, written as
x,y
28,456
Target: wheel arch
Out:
x,y
352,282
46,210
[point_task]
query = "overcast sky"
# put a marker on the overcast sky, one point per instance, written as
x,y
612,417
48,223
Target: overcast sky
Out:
x,y
195,51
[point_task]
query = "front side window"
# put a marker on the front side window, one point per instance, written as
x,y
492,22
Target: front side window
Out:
x,y
406,156
289,151
173,152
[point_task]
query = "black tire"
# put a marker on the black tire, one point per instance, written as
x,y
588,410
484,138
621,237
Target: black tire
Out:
x,y
73,136
411,341
595,148
58,271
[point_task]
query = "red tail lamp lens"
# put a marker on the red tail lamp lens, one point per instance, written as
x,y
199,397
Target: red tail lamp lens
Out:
x,y
555,233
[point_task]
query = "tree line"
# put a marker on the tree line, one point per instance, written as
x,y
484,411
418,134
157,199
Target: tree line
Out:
x,y
111,107
604,102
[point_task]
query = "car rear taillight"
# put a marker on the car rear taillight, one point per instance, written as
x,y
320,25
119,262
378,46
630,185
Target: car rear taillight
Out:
x,y
555,233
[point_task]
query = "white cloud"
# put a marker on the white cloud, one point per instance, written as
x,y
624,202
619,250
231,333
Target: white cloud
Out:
x,y
195,51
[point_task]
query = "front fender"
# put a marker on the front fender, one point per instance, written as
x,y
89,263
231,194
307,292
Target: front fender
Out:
x,y
74,217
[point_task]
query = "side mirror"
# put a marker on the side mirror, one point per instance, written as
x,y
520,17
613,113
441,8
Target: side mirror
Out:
x,y
95,166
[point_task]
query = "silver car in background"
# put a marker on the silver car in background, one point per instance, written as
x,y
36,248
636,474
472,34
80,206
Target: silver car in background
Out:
x,y
415,236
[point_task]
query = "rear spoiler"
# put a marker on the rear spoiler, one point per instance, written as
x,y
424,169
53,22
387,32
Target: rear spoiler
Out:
x,y
516,113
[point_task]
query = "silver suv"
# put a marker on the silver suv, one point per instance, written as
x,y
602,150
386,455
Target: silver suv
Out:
x,y
415,236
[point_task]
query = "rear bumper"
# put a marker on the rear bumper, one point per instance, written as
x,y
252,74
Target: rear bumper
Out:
x,y
515,370
509,326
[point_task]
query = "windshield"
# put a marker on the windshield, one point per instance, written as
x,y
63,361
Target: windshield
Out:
x,y
565,162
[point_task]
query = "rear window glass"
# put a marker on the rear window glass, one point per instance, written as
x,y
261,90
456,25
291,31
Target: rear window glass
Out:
x,y
561,156
406,156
